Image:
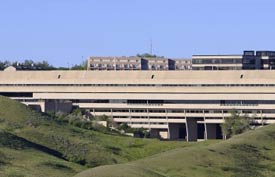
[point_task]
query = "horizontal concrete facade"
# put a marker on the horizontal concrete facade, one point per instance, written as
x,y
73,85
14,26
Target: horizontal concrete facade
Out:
x,y
172,104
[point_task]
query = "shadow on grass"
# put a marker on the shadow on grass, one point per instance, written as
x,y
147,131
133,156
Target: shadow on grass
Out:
x,y
14,142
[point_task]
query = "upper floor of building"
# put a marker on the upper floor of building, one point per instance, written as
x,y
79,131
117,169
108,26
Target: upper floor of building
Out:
x,y
137,63
249,60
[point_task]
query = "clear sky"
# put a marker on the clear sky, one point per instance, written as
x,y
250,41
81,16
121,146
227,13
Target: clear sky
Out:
x,y
68,31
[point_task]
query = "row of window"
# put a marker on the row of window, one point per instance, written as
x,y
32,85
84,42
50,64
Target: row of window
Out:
x,y
217,68
143,102
216,61
154,102
114,66
256,118
245,111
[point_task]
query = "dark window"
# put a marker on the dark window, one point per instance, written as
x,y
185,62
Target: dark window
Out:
x,y
16,94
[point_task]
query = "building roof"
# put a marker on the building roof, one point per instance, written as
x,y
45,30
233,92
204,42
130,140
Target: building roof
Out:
x,y
139,77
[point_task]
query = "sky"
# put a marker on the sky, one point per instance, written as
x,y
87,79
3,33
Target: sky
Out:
x,y
66,32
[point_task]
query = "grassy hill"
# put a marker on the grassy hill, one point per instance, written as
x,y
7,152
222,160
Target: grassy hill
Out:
x,y
19,157
249,154
33,144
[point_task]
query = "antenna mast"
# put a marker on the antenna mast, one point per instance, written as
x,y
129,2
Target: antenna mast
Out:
x,y
151,46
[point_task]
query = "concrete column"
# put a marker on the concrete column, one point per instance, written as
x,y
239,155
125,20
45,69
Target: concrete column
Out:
x,y
205,127
191,129
173,131
43,107
211,131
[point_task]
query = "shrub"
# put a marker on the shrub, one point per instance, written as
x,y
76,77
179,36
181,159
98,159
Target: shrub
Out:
x,y
235,124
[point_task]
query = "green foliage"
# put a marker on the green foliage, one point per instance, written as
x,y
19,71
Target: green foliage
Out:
x,y
125,127
4,64
141,133
102,118
39,65
82,66
235,124
77,118
138,132
148,55
32,65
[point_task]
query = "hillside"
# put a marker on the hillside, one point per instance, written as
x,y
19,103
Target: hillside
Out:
x,y
19,157
34,144
249,154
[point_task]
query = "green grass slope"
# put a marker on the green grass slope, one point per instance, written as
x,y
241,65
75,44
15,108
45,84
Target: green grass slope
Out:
x,y
32,144
19,157
249,154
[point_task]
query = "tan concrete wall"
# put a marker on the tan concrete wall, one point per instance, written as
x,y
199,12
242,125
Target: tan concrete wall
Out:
x,y
42,93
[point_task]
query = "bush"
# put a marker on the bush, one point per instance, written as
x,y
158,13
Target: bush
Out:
x,y
235,124
102,118
138,132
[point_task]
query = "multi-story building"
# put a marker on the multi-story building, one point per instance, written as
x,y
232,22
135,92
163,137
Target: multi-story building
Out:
x,y
181,104
248,61
160,63
137,63
217,62
266,59
117,63
183,64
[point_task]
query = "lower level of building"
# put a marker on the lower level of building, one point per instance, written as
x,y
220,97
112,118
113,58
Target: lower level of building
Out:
x,y
178,120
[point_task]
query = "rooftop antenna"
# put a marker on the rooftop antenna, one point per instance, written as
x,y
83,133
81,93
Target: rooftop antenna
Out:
x,y
151,46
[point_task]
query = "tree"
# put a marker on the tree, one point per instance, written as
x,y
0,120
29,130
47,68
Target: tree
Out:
x,y
81,66
4,64
235,124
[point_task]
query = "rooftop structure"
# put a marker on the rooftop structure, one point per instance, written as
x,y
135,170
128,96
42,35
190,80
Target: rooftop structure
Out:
x,y
116,63
249,60
136,63
217,62
183,64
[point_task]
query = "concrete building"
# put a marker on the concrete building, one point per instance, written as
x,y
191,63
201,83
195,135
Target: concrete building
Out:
x,y
183,64
248,61
137,63
159,63
266,59
174,105
117,63
217,62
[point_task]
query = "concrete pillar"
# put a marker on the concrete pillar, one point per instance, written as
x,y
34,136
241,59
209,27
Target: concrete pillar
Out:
x,y
42,105
173,131
211,131
192,129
